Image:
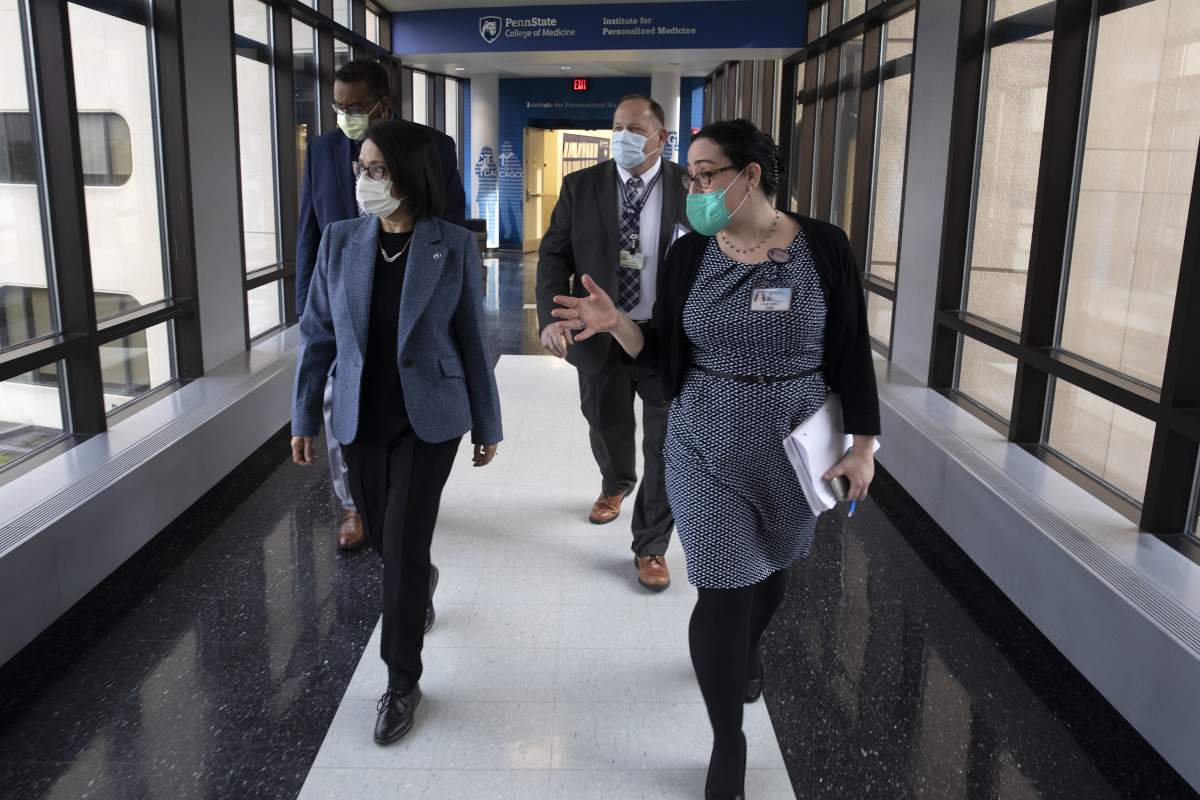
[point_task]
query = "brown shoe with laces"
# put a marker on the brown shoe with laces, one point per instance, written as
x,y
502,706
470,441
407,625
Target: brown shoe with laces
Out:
x,y
606,509
350,535
653,572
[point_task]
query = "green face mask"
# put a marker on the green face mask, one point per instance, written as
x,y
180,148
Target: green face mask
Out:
x,y
354,127
707,212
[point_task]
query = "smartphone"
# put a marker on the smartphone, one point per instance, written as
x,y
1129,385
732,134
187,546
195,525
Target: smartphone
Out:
x,y
841,487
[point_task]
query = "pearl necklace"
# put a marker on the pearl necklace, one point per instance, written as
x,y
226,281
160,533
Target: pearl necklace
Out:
x,y
390,259
729,244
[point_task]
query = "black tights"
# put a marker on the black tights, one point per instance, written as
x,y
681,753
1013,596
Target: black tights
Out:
x,y
726,627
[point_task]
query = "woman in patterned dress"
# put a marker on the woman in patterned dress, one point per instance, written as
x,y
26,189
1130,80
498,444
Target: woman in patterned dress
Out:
x,y
759,315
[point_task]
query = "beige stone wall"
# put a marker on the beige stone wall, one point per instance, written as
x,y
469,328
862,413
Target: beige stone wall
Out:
x,y
987,376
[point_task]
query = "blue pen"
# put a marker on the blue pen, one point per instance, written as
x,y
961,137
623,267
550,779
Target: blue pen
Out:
x,y
852,504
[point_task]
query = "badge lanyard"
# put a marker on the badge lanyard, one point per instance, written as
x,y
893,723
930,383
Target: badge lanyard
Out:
x,y
631,258
773,294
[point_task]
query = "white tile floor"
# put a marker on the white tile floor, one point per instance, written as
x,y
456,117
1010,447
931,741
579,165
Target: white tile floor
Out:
x,y
550,672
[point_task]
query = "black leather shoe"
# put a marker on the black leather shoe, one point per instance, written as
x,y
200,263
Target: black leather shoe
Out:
x,y
396,714
709,794
753,688
430,615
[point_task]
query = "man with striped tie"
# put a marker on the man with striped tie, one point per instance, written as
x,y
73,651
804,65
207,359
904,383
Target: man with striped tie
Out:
x,y
614,222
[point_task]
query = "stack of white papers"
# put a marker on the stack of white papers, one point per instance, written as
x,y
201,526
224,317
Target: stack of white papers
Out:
x,y
815,447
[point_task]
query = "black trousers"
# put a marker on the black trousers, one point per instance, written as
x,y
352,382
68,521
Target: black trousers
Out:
x,y
396,480
606,399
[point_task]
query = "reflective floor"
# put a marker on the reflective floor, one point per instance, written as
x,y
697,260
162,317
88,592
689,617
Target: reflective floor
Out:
x,y
212,663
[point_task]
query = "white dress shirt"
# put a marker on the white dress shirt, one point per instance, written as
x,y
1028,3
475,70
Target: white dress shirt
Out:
x,y
651,221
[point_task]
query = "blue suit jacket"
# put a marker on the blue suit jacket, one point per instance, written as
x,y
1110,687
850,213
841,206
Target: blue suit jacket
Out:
x,y
442,351
327,196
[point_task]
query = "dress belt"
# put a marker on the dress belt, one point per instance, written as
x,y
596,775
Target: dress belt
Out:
x,y
761,379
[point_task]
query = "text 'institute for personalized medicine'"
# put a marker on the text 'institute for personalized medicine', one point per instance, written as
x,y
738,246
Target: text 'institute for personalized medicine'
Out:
x,y
548,26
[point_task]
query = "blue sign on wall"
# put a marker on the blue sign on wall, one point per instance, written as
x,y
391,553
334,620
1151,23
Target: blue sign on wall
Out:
x,y
624,26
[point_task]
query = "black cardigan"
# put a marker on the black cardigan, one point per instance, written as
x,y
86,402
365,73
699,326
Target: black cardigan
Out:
x,y
849,370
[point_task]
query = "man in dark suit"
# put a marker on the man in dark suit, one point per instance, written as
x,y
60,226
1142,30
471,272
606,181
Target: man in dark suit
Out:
x,y
361,96
614,222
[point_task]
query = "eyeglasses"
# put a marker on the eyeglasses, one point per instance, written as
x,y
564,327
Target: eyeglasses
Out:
x,y
376,171
355,111
703,178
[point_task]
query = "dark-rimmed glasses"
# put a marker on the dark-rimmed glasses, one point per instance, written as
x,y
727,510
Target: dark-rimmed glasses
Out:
x,y
703,178
355,111
376,171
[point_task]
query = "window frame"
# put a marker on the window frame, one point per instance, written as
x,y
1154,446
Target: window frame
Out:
x,y
1169,503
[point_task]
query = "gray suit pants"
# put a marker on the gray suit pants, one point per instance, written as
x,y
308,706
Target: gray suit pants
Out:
x,y
606,399
337,463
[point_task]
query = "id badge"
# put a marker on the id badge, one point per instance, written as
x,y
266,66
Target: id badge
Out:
x,y
771,298
632,260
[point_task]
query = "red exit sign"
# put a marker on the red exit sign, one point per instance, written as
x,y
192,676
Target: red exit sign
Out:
x,y
581,84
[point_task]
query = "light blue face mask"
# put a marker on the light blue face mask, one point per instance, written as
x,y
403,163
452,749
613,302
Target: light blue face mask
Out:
x,y
707,212
627,148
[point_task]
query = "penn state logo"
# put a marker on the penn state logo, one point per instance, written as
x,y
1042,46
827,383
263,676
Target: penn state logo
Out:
x,y
489,28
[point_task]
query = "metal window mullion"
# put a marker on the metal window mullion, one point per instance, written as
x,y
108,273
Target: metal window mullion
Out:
x,y
866,139
808,134
358,15
1052,212
1170,502
827,143
286,191
186,342
65,208
965,121
786,101
439,103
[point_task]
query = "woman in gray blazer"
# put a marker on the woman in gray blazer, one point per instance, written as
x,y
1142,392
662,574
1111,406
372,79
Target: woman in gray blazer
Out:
x,y
395,317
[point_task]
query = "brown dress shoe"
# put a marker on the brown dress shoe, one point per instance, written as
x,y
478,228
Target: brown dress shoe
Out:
x,y
606,509
653,572
350,535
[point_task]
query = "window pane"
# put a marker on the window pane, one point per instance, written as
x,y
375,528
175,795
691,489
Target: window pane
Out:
x,y
849,89
1136,183
304,76
265,308
341,54
251,19
341,12
987,376
420,100
113,83
797,135
891,146
31,412
136,364
256,137
879,318
1106,440
1015,108
853,9
372,26
23,272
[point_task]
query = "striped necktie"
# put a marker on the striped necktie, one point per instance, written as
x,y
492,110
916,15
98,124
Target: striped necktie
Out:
x,y
630,289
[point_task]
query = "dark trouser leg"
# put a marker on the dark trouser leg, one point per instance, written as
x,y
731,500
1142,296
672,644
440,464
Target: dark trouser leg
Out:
x,y
397,480
606,399
719,637
652,518
768,595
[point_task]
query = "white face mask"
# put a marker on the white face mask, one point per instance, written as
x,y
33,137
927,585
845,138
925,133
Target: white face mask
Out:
x,y
376,196
627,148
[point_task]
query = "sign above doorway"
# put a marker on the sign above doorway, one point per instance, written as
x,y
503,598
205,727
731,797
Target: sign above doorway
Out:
x,y
615,26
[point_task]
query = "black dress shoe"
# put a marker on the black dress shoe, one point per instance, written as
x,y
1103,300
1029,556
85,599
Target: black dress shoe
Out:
x,y
430,615
710,794
753,688
396,714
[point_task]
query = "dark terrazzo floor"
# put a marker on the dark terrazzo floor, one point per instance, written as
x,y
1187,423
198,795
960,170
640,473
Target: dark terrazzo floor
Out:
x,y
211,663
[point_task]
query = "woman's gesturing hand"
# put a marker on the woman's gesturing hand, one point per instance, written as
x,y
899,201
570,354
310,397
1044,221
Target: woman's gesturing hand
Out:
x,y
858,466
302,451
586,316
484,453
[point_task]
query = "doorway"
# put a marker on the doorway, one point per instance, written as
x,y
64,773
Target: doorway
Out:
x,y
551,155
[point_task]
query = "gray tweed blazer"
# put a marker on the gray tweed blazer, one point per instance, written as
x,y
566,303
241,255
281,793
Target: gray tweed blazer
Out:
x,y
445,368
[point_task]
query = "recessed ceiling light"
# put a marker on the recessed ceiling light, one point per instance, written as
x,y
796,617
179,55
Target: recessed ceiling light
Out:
x,y
461,69
568,69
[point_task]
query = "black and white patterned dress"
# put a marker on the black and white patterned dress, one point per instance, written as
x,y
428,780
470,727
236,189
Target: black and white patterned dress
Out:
x,y
739,509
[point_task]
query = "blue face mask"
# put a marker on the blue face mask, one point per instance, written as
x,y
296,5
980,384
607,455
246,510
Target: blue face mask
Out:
x,y
627,148
707,212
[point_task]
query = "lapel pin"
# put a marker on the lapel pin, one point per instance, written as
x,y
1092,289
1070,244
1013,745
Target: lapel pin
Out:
x,y
436,256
